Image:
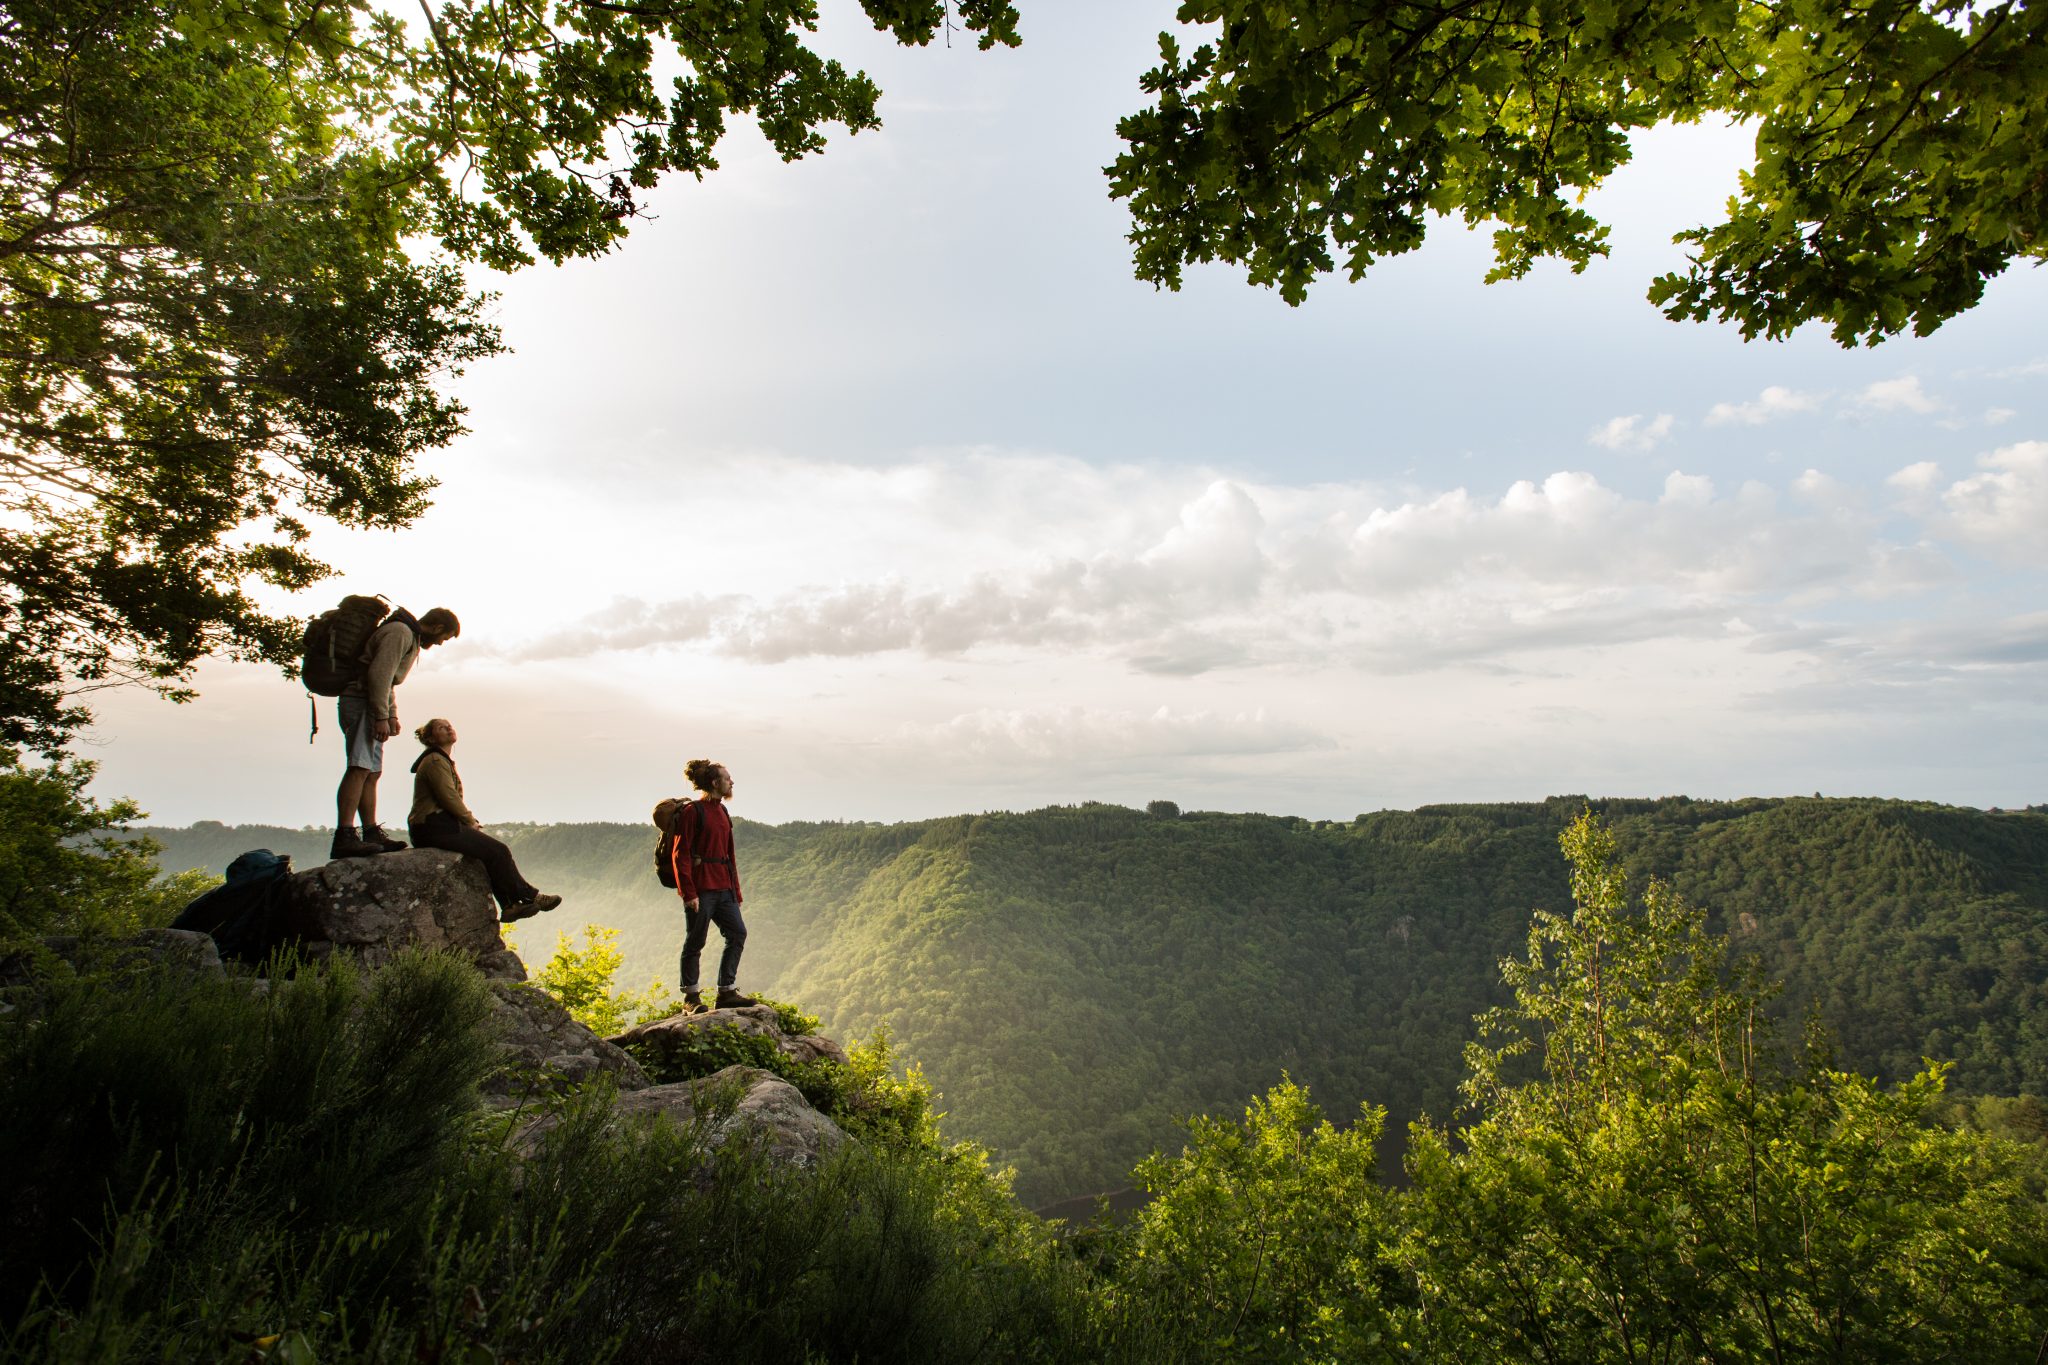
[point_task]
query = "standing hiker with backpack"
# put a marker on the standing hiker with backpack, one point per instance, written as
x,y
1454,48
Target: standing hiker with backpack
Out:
x,y
367,708
704,874
440,818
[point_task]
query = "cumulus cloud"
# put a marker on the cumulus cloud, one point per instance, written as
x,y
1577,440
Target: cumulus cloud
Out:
x,y
2003,509
1633,432
1903,394
1916,479
1998,417
1237,575
1770,405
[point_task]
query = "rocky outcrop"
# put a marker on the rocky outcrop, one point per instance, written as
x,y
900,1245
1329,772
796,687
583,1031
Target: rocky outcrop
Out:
x,y
740,1103
546,1050
665,1037
378,907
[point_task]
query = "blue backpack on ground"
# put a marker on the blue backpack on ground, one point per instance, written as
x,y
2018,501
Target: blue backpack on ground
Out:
x,y
245,913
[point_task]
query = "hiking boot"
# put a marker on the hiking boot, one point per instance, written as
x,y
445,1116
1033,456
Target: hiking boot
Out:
x,y
693,1002
730,999
374,834
349,844
526,909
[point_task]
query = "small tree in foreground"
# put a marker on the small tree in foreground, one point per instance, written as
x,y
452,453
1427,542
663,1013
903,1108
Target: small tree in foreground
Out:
x,y
1663,1190
581,978
1259,1242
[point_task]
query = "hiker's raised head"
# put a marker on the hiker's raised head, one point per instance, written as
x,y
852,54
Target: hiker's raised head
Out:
x,y
710,778
436,733
438,627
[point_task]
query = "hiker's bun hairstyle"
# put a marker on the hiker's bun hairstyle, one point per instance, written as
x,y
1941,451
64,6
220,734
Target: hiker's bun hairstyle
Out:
x,y
700,771
425,734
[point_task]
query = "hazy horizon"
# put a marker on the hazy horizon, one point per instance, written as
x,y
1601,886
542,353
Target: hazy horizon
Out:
x,y
1597,799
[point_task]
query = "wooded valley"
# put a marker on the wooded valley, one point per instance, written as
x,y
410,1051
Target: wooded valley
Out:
x,y
1076,979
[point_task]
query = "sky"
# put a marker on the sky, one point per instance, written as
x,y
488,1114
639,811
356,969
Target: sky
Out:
x,y
879,478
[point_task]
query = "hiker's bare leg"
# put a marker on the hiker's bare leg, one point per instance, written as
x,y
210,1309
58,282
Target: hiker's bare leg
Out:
x,y
367,803
349,798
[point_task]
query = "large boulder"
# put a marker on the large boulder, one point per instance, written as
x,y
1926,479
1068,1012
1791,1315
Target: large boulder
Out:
x,y
377,907
664,1037
547,1050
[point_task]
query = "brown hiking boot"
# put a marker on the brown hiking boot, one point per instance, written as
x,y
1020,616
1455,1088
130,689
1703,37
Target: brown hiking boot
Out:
x,y
349,844
525,909
374,834
693,1002
730,999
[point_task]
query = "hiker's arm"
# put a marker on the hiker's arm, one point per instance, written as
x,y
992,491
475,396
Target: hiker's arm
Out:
x,y
686,837
387,647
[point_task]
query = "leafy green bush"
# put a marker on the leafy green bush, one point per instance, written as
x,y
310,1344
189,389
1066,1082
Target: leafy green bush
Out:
x,y
1261,1242
581,978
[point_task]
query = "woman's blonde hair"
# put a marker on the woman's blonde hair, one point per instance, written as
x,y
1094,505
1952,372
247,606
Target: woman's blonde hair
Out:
x,y
425,734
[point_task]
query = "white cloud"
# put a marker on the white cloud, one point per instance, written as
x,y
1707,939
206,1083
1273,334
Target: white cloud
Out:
x,y
2003,509
1903,394
1633,432
1916,479
1998,417
1770,405
1236,575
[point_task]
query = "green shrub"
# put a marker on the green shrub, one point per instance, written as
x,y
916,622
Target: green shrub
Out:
x,y
581,978
211,1170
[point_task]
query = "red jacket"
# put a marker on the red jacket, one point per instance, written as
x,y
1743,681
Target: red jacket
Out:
x,y
703,850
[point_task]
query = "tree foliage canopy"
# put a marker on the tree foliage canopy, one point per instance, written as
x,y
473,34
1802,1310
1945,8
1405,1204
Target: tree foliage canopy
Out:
x,y
216,326
1899,163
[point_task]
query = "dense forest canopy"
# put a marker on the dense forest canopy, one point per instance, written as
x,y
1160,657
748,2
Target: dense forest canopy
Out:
x,y
1076,979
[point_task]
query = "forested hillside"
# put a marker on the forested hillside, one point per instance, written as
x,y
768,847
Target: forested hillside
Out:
x,y
1073,979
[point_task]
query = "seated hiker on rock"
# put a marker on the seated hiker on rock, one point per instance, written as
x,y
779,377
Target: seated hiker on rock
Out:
x,y
439,819
708,880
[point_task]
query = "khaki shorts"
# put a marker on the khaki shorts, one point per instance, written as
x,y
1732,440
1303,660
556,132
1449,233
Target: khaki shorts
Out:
x,y
359,733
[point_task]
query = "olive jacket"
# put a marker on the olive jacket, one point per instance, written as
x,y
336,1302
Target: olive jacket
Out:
x,y
437,787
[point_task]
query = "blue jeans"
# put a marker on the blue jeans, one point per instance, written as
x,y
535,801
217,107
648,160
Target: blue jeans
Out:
x,y
723,909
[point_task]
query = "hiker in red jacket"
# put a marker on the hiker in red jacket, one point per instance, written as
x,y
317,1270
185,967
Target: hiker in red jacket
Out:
x,y
708,880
